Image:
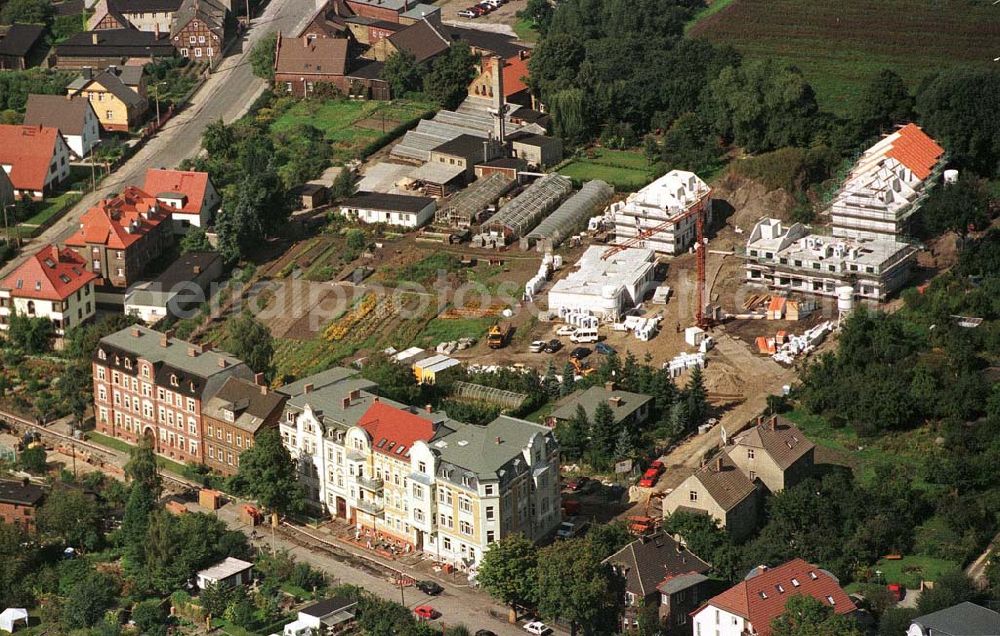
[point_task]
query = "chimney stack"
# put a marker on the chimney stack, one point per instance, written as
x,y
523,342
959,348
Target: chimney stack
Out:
x,y
497,102
136,332
197,269
499,440
718,464
346,402
55,253
428,408
307,389
223,363
609,385
93,38
258,379
205,348
165,338
774,423
192,352
760,420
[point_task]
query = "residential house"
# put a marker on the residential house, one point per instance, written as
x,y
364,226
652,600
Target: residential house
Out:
x,y
229,572
327,21
190,197
118,106
720,490
424,40
119,237
147,383
116,47
415,477
604,287
672,204
747,608
20,46
660,572
792,259
52,283
302,63
233,418
465,151
629,409
183,286
201,28
387,10
332,615
887,185
774,451
393,209
73,116
19,502
154,16
537,150
964,619
35,158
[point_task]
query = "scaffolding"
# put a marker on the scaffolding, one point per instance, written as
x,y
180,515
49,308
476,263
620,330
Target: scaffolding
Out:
x,y
481,393
463,208
592,197
525,210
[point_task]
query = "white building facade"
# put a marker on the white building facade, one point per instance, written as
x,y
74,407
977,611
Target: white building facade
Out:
x,y
391,209
664,213
604,285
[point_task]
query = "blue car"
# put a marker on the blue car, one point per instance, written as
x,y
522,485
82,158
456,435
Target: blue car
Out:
x,y
604,349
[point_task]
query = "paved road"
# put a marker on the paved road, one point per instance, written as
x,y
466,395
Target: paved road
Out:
x,y
226,95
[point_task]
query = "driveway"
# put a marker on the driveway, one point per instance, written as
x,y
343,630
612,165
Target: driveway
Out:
x,y
225,95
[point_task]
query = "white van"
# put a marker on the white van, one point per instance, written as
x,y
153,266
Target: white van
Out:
x,y
584,335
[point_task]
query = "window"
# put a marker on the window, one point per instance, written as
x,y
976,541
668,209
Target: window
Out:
x,y
488,489
749,453
490,536
108,114
197,52
201,39
190,405
795,582
465,504
184,52
465,527
753,476
422,467
830,600
693,495
418,515
446,543
490,515
211,452
444,496
781,590
193,39
418,491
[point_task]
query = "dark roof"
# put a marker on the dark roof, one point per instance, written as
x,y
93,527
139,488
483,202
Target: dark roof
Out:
x,y
58,111
964,619
327,606
423,39
211,13
503,45
779,438
530,116
17,492
118,88
531,139
250,404
20,39
649,560
365,69
68,7
182,269
116,42
389,202
308,189
463,146
505,162
725,483
144,6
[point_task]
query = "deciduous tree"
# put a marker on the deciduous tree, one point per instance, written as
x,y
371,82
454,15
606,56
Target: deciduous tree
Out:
x,y
574,585
249,340
262,56
508,571
267,473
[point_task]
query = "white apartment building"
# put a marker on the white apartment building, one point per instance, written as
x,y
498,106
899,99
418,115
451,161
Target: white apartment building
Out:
x,y
887,185
791,259
663,206
414,477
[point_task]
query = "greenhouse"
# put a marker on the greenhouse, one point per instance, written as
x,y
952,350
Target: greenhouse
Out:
x,y
593,197
521,214
461,211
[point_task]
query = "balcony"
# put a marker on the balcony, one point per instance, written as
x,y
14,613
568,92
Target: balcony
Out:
x,y
370,506
373,484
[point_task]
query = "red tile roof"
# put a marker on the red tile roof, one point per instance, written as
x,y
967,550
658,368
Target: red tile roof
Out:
x,y
915,150
50,274
761,598
192,185
119,222
29,151
515,71
393,430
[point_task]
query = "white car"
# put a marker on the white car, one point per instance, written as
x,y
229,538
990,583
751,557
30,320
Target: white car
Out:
x,y
566,330
568,529
537,346
537,627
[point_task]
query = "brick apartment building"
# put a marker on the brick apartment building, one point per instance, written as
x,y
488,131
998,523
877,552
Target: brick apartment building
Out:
x,y
233,418
148,383
19,501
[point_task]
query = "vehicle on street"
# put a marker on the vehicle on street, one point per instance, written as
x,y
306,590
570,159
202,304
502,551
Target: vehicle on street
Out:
x,y
896,591
538,628
569,528
467,13
577,484
426,612
604,349
584,335
537,346
566,330
649,478
658,465
552,346
429,587
579,353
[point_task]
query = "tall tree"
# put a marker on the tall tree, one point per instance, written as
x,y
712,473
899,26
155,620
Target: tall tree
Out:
x,y
696,398
146,486
508,571
573,434
26,12
267,473
29,334
403,73
885,102
550,382
249,340
574,585
603,431
89,599
806,616
448,80
539,12
262,56
195,240
959,207
70,515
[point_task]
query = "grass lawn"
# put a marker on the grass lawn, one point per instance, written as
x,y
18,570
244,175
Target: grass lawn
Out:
x,y
838,48
51,207
118,445
525,30
713,7
626,170
439,330
911,569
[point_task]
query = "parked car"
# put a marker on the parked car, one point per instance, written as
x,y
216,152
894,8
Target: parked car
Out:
x,y
552,346
579,353
566,330
467,13
604,349
897,591
577,484
537,346
658,465
429,587
570,528
649,478
538,628
426,612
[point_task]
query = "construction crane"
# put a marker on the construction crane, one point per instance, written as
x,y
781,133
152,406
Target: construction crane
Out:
x,y
696,209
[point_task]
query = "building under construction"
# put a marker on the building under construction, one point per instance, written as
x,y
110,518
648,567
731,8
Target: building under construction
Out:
x,y
663,216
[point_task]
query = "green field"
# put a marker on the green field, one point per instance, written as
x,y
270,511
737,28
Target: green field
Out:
x,y
911,569
840,44
349,125
626,170
441,330
525,30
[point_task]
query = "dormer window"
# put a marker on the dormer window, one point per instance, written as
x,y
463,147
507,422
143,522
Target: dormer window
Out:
x,y
763,594
228,415
795,582
128,363
173,380
780,589
830,600
101,354
813,576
